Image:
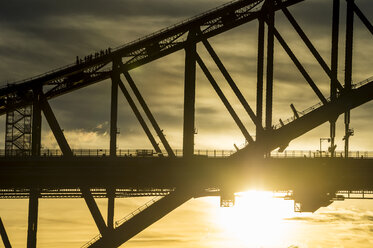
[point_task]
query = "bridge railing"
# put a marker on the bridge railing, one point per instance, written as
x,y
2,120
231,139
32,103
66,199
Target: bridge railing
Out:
x,y
125,153
138,210
318,154
357,85
201,152
300,113
316,106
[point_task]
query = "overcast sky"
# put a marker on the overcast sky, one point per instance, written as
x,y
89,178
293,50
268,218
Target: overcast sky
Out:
x,y
40,35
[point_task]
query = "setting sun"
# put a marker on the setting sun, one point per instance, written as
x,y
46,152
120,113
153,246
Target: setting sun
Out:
x,y
257,219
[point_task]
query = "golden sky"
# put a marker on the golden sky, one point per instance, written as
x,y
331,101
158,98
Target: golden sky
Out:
x,y
44,35
257,220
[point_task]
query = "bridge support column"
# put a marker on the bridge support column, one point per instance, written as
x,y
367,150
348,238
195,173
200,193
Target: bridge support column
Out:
x,y
114,109
270,50
110,208
32,218
348,67
35,150
189,95
259,88
334,70
113,138
36,124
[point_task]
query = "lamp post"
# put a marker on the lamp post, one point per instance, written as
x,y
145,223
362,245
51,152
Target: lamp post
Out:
x,y
321,140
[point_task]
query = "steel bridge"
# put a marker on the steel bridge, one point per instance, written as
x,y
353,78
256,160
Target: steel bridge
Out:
x,y
175,176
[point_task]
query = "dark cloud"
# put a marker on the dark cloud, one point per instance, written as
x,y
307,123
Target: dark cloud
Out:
x,y
19,12
40,35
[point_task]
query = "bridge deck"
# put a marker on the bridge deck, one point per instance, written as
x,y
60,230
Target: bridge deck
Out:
x,y
272,174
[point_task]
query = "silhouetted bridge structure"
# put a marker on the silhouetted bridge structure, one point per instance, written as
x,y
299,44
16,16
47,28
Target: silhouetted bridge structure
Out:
x,y
27,171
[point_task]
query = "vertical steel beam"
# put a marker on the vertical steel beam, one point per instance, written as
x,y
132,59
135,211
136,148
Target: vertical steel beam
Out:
x,y
4,235
334,70
36,123
32,218
35,150
260,67
232,84
189,95
114,109
224,100
139,117
348,66
113,137
111,206
270,50
149,114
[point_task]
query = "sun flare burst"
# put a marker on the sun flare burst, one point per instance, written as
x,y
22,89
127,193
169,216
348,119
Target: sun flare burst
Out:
x,y
257,220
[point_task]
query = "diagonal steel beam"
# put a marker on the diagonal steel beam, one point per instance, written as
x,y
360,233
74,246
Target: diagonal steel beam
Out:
x,y
95,211
363,18
224,100
299,66
4,235
139,117
66,150
55,127
142,220
148,113
232,84
311,47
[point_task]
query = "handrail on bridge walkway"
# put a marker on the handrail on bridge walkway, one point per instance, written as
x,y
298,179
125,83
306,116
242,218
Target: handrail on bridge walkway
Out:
x,y
149,153
317,105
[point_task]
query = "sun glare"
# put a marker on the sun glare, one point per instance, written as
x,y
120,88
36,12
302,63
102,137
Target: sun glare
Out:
x,y
257,220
